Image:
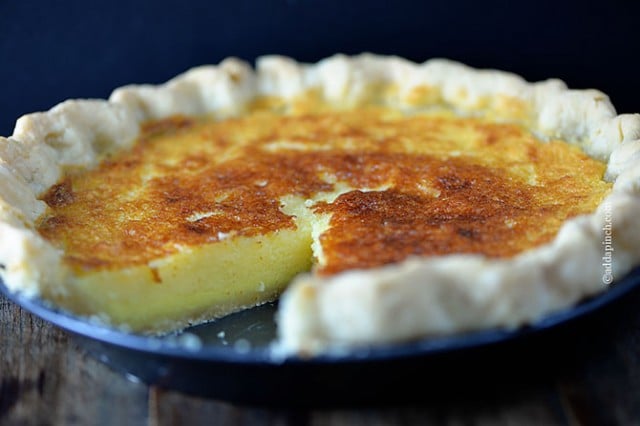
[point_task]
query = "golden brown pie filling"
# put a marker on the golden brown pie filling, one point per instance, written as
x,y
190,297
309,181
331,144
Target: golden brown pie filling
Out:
x,y
401,184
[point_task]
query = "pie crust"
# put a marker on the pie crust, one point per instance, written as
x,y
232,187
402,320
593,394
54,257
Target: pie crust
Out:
x,y
410,299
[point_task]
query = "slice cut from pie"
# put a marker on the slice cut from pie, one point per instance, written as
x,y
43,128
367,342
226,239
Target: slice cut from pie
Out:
x,y
402,200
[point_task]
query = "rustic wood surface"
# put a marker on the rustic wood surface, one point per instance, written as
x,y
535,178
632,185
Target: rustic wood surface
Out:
x,y
46,378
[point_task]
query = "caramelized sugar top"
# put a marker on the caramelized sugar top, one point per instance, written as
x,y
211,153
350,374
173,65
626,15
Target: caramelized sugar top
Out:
x,y
422,184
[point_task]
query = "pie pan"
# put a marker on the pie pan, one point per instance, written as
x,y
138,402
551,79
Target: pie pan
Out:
x,y
231,358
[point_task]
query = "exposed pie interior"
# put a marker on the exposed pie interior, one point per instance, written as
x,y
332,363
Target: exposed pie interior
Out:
x,y
203,217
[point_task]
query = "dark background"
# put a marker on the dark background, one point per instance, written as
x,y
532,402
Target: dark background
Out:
x,y
51,51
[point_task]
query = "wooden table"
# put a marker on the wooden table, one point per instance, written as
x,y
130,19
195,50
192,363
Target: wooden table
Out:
x,y
46,378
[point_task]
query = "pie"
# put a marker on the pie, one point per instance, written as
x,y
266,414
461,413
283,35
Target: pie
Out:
x,y
380,199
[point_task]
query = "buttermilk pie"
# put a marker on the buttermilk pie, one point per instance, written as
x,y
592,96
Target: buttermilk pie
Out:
x,y
381,200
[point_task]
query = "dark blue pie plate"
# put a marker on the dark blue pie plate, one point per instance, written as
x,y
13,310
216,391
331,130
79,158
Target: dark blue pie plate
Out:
x,y
231,358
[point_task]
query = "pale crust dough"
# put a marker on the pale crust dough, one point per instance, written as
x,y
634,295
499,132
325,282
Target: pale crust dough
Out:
x,y
414,298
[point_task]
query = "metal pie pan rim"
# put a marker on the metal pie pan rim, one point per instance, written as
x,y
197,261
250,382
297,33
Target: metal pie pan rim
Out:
x,y
265,356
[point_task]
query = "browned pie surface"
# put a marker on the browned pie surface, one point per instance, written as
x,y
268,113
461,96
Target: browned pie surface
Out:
x,y
431,184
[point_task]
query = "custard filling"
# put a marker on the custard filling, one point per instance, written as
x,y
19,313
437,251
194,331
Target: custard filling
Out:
x,y
222,214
